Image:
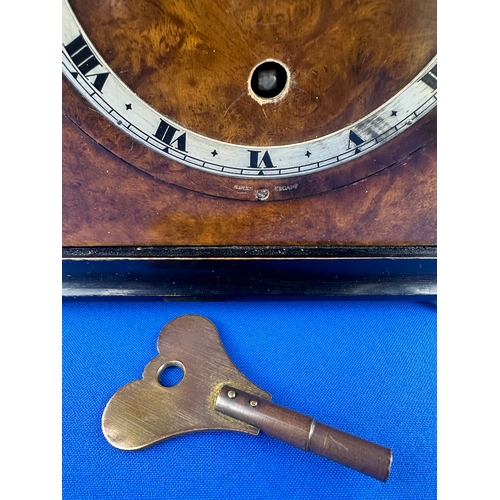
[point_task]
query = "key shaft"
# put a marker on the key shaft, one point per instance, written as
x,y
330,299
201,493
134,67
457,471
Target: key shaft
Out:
x,y
306,433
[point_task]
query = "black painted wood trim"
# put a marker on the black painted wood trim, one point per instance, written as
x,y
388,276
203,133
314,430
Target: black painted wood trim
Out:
x,y
267,273
249,252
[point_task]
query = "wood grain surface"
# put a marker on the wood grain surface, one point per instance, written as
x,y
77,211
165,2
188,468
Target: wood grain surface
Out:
x,y
108,202
192,61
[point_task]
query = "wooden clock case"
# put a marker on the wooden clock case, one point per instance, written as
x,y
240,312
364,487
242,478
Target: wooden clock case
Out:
x,y
354,232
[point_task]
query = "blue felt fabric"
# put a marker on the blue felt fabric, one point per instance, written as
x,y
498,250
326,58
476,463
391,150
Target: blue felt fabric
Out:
x,y
368,368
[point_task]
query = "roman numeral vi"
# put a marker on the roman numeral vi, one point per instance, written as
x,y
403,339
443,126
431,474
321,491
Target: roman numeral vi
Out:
x,y
266,160
354,138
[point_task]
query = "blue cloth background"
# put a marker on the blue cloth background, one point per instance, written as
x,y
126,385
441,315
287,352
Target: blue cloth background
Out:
x,y
368,368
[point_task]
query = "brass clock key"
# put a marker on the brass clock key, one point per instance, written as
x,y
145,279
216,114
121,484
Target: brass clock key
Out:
x,y
214,394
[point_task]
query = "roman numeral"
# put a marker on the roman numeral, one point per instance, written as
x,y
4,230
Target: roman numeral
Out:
x,y
266,160
86,61
166,132
354,138
431,78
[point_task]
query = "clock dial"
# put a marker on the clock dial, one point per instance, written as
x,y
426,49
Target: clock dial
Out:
x,y
201,110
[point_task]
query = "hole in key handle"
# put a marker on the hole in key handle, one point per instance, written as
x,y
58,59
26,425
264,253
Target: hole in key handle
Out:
x,y
171,374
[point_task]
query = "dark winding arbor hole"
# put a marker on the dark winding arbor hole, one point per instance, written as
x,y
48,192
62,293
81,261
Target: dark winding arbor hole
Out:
x,y
269,79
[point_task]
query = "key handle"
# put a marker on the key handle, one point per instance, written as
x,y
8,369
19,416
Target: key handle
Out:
x,y
214,394
144,412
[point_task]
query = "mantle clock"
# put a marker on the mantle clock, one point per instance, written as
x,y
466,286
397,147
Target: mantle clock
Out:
x,y
258,149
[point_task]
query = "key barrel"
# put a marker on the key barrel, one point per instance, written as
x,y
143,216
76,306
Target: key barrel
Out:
x,y
305,433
